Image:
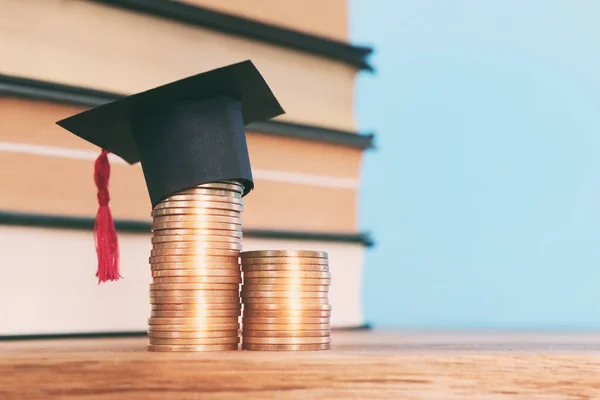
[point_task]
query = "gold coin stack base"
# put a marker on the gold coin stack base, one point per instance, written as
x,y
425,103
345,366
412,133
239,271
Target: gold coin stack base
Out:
x,y
285,298
194,294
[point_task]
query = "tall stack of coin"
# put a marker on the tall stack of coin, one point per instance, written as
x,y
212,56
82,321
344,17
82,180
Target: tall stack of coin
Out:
x,y
285,298
194,294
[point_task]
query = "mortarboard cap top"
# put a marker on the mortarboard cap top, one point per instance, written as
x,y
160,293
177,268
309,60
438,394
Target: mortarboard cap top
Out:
x,y
187,132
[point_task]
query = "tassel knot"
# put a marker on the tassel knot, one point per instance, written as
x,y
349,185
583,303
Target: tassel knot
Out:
x,y
103,197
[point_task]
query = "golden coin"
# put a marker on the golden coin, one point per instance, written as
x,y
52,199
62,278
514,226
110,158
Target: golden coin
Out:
x,y
198,293
291,302
287,274
192,289
286,288
194,313
213,235
207,304
208,191
286,347
220,185
193,280
197,252
204,293
196,225
193,321
284,253
198,274
205,192
193,245
194,286
198,208
183,197
197,229
204,243
187,235
284,260
225,185
199,197
287,340
284,295
191,296
286,307
202,280
285,267
177,241
190,348
192,341
200,248
198,218
202,272
186,324
200,307
197,258
195,211
164,239
186,241
194,334
286,281
283,334
194,327
286,327
281,320
204,259
218,204
198,269
201,276
211,268
228,266
285,314
235,219
195,299
203,262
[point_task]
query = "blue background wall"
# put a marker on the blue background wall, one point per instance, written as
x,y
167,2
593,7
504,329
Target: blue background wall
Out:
x,y
484,194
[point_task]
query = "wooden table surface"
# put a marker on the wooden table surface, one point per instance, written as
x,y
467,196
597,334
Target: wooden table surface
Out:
x,y
361,365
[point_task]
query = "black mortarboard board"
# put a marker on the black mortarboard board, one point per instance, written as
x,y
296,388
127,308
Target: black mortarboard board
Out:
x,y
185,133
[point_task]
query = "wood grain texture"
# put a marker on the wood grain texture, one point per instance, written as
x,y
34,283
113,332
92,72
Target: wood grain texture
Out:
x,y
327,18
101,47
361,365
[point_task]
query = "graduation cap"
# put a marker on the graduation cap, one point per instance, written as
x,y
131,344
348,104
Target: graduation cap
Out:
x,y
185,133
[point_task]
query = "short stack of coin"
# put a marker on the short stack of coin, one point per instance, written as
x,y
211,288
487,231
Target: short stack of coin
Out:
x,y
285,296
194,294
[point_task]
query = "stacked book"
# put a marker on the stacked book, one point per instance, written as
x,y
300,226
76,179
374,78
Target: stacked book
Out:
x,y
62,57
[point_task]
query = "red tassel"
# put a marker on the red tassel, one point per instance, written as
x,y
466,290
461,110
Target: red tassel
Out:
x,y
105,234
